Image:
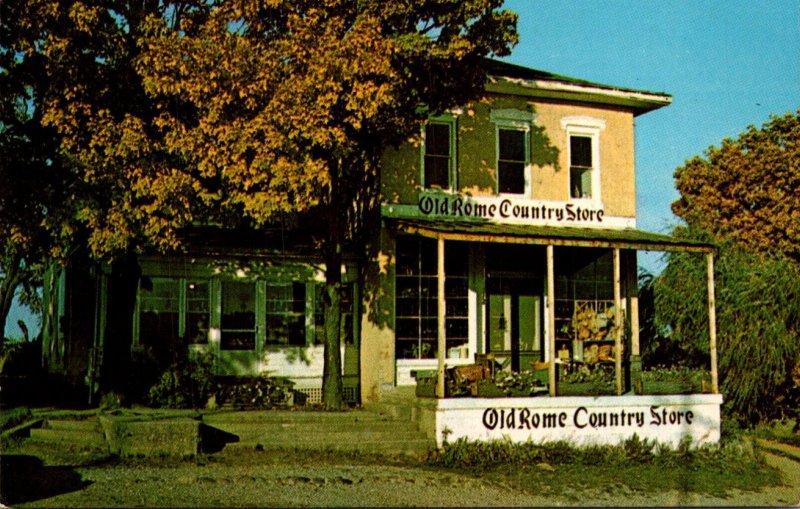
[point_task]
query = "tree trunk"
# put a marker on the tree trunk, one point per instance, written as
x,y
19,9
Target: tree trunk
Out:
x,y
332,370
8,288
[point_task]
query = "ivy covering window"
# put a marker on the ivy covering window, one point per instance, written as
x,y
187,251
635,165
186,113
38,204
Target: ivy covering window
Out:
x,y
438,155
416,290
511,161
581,165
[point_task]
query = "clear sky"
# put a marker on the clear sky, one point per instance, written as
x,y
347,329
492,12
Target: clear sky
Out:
x,y
727,64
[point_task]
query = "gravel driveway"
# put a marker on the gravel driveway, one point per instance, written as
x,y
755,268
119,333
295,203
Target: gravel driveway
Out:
x,y
240,482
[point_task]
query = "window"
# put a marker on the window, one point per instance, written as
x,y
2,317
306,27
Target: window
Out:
x,y
438,162
581,166
172,309
197,311
159,306
584,156
513,150
238,318
286,314
511,161
416,290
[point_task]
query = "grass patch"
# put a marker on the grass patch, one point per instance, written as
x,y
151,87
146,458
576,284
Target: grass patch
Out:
x,y
13,417
787,431
558,468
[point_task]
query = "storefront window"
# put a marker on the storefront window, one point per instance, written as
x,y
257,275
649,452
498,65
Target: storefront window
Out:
x,y
416,293
584,304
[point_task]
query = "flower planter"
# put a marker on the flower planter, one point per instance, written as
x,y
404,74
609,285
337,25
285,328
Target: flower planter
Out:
x,y
671,387
584,389
486,389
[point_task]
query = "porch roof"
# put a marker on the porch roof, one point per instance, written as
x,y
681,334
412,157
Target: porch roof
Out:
x,y
622,238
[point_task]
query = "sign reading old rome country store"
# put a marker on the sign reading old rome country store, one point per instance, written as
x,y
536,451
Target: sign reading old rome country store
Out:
x,y
507,209
464,207
596,420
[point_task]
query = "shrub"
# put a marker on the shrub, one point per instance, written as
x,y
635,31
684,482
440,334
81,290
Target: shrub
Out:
x,y
254,392
187,383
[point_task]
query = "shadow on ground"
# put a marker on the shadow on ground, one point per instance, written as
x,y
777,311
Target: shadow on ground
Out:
x,y
25,478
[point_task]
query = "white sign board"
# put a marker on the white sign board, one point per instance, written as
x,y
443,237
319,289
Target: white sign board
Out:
x,y
582,420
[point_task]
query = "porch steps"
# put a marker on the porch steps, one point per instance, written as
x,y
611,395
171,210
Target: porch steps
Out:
x,y
353,430
79,434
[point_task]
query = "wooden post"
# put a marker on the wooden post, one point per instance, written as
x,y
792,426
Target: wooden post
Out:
x,y
442,331
712,322
617,323
551,319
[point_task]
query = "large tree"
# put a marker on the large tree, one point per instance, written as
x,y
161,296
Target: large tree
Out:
x,y
747,189
743,196
245,111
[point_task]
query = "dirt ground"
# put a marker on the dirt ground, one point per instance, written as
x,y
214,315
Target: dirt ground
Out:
x,y
241,481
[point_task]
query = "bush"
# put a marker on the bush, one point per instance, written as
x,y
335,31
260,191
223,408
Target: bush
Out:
x,y
185,384
254,393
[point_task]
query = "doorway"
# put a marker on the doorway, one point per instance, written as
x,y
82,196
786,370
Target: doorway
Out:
x,y
514,324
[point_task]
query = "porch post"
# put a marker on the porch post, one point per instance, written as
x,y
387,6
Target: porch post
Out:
x,y
712,322
442,344
617,323
551,320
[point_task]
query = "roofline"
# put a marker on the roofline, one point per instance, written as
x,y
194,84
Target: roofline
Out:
x,y
514,79
655,242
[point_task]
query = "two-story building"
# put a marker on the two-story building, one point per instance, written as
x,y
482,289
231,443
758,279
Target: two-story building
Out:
x,y
508,232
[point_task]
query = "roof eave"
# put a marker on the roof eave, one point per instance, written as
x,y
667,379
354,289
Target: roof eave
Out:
x,y
638,101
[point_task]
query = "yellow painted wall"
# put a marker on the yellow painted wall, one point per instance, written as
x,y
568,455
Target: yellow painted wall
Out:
x,y
476,154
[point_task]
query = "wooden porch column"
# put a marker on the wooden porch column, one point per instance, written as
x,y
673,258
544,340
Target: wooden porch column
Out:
x,y
441,313
617,323
551,319
712,322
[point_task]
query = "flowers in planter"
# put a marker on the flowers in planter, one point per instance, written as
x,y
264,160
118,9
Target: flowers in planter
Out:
x,y
522,383
674,379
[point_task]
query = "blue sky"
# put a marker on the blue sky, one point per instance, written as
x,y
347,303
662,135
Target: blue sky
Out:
x,y
727,64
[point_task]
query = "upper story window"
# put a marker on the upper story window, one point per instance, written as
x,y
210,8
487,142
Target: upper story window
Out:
x,y
583,134
513,129
438,164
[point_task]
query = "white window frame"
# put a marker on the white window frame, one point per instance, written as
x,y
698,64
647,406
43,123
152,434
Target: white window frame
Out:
x,y
452,175
587,127
515,120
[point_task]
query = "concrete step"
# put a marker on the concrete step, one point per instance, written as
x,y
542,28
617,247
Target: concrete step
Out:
x,y
289,437
288,416
71,437
322,426
91,424
418,445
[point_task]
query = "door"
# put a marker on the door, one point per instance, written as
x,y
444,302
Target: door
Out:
x,y
513,331
238,328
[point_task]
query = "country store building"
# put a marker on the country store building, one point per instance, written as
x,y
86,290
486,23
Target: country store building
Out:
x,y
508,243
